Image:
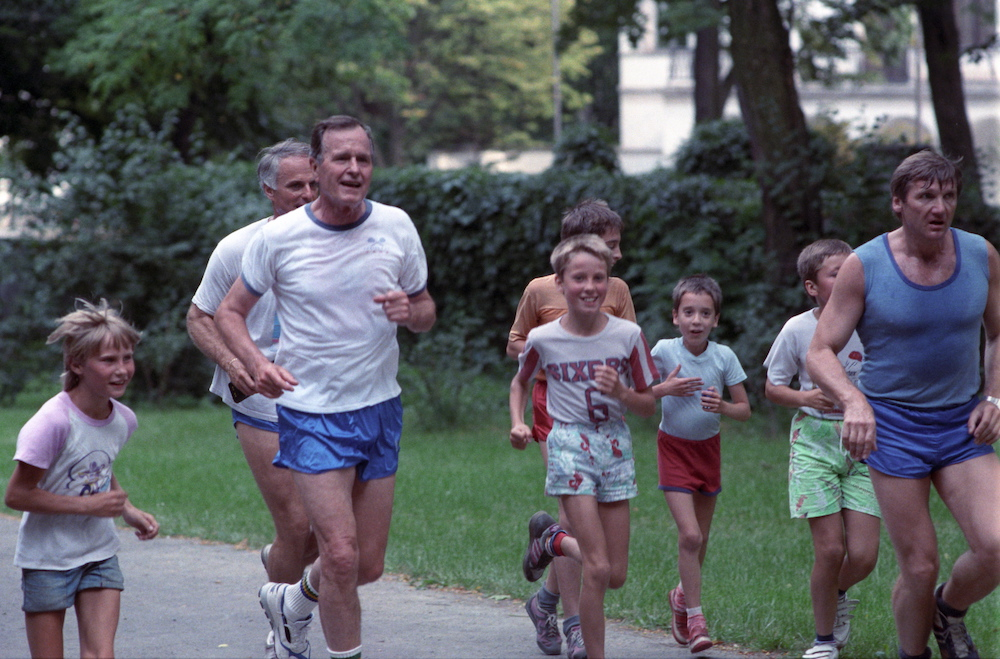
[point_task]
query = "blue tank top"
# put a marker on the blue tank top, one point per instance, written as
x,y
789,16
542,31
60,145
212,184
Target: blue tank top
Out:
x,y
922,342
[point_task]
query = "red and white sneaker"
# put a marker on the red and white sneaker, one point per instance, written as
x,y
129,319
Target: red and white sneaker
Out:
x,y
679,616
698,639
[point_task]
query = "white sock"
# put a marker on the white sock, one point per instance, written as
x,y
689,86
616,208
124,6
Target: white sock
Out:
x,y
346,654
696,611
301,598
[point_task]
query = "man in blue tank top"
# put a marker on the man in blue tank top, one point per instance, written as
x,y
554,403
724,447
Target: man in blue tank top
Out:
x,y
917,297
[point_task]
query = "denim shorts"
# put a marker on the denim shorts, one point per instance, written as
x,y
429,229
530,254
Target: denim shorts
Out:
x,y
254,422
55,590
367,439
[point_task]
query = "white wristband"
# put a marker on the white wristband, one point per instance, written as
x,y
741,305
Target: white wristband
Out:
x,y
993,399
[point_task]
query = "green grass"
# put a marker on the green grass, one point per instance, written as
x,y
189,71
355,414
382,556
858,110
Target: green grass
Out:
x,y
464,497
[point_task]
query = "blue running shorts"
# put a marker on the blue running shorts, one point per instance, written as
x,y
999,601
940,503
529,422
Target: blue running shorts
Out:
x,y
55,590
367,439
254,422
915,442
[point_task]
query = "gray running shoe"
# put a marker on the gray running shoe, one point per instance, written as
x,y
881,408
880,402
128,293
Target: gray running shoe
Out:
x,y
546,627
540,528
574,644
290,636
842,623
265,551
952,637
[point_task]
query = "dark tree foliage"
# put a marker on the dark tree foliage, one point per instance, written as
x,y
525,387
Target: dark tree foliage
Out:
x,y
32,94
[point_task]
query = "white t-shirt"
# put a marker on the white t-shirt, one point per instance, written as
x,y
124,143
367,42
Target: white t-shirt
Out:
x,y
787,358
224,269
569,362
335,339
76,452
717,367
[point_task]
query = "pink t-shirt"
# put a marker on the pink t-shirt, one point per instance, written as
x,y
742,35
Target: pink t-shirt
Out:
x,y
77,453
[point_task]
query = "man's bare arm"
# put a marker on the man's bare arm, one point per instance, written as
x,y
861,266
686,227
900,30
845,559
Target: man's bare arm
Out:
x,y
231,320
984,422
205,335
836,324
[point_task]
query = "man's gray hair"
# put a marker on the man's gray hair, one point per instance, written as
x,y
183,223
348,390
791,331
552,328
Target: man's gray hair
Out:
x,y
269,160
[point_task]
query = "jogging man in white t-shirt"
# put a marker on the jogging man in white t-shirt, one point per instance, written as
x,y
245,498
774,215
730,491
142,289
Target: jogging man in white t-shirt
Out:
x,y
287,178
346,272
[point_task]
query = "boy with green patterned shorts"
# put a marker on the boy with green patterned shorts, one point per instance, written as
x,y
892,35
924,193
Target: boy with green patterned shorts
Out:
x,y
825,485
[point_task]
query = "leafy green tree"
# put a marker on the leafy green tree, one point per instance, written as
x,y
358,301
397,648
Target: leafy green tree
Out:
x,y
33,96
885,36
608,19
238,72
481,75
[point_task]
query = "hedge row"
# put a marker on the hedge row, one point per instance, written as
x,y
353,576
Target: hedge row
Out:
x,y
134,224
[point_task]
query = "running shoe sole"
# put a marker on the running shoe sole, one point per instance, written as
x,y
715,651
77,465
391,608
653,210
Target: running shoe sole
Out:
x,y
533,569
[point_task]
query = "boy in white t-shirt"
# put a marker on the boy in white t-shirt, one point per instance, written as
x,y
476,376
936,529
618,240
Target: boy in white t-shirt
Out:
x,y
63,482
688,445
586,355
825,485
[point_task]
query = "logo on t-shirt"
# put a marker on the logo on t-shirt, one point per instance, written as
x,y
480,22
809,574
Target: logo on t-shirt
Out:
x,y
90,474
376,245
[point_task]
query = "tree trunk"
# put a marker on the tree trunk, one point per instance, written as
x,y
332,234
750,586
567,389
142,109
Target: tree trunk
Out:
x,y
764,70
709,96
707,93
942,45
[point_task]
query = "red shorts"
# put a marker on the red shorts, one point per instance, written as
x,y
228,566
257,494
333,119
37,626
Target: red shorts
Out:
x,y
687,465
541,422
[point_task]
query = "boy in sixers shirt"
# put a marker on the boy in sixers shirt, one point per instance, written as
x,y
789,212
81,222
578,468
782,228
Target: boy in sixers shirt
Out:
x,y
597,367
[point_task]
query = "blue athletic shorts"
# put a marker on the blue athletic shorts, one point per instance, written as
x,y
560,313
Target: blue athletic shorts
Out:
x,y
915,442
55,590
253,422
367,439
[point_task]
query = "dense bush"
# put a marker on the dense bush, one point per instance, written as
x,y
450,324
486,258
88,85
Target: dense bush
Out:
x,y
586,146
132,223
720,149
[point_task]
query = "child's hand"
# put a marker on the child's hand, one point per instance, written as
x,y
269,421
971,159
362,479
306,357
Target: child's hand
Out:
x,y
675,386
145,525
816,399
711,400
520,435
107,504
607,381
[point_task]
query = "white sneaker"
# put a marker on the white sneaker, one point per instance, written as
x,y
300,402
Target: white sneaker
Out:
x,y
822,651
290,636
842,623
269,647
